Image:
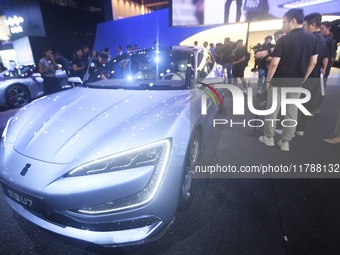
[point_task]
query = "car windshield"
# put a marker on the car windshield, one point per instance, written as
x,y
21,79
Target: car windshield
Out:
x,y
165,69
20,72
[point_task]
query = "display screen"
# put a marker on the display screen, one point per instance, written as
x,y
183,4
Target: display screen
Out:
x,y
218,12
25,20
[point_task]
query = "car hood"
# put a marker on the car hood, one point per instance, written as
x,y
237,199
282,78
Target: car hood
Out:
x,y
62,127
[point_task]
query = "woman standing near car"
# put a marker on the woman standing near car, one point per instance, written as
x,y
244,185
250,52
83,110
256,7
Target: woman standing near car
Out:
x,y
47,69
78,64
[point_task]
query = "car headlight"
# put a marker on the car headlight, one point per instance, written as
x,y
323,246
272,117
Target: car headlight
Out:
x,y
4,133
154,154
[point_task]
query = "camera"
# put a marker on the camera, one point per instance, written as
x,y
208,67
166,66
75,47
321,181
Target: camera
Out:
x,y
258,47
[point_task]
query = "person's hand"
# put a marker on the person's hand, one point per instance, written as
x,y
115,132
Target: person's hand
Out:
x,y
260,54
323,71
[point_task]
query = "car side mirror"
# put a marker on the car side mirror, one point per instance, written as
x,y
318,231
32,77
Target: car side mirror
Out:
x,y
74,81
36,75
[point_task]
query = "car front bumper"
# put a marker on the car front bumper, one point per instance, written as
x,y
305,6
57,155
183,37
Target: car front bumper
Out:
x,y
131,236
128,227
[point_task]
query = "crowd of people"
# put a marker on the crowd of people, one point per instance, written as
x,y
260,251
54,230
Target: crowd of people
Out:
x,y
301,58
304,51
233,57
85,64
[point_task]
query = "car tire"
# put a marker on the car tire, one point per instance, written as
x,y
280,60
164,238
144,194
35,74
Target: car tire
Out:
x,y
189,179
17,96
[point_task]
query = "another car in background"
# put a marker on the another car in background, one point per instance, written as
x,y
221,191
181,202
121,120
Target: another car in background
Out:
x,y
20,85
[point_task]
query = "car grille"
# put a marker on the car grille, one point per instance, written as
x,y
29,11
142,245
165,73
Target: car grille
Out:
x,y
63,221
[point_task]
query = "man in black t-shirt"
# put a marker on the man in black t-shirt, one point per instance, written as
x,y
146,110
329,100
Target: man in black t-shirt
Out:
x,y
312,24
293,60
227,59
239,64
86,53
325,30
263,64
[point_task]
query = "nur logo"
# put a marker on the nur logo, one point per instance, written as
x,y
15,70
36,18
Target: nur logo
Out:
x,y
239,99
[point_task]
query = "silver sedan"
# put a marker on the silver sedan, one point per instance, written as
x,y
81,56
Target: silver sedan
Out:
x,y
111,161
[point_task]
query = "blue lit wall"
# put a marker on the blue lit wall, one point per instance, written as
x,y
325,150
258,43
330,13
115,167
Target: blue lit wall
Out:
x,y
142,30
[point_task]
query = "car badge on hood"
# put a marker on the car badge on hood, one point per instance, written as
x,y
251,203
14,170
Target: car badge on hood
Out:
x,y
25,169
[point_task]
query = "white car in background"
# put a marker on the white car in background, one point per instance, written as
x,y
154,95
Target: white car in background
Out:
x,y
20,85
